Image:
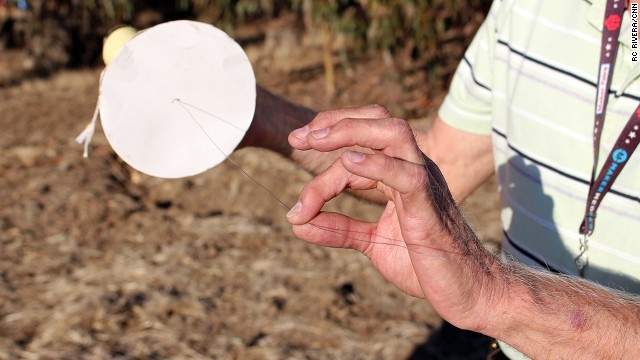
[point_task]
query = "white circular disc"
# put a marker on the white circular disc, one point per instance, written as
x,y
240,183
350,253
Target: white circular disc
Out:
x,y
177,99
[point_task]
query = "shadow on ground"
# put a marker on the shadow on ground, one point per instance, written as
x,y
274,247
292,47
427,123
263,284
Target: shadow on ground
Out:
x,y
451,343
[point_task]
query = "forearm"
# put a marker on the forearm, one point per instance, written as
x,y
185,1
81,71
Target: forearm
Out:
x,y
544,315
550,316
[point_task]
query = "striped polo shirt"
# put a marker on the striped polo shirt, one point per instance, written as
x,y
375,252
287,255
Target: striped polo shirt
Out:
x,y
529,80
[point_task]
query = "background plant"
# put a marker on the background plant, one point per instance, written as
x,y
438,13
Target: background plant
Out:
x,y
63,33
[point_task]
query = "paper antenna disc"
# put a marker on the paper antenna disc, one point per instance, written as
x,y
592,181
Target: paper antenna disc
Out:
x,y
177,99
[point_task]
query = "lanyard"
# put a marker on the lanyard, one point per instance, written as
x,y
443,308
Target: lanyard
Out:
x,y
627,141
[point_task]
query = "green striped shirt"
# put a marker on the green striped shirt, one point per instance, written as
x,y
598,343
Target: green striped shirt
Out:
x,y
529,81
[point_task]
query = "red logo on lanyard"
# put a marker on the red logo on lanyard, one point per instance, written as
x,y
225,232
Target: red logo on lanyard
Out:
x,y
612,22
638,112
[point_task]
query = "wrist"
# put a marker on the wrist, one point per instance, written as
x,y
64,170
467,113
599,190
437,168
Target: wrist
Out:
x,y
561,311
500,302
518,315
494,303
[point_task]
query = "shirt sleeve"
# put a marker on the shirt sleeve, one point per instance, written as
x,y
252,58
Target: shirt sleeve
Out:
x,y
468,104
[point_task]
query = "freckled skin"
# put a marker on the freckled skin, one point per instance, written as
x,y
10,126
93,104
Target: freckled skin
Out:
x,y
579,320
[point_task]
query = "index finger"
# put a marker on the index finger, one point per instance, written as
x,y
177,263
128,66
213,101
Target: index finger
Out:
x,y
392,136
298,137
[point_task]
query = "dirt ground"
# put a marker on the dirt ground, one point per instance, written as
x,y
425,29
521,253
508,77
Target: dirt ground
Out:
x,y
98,261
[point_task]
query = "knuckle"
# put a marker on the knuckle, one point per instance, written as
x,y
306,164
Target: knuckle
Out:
x,y
398,123
400,127
379,110
420,177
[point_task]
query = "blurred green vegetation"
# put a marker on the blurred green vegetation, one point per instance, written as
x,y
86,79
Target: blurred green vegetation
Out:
x,y
60,33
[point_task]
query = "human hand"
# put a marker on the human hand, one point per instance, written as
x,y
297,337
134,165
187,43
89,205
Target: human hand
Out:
x,y
421,243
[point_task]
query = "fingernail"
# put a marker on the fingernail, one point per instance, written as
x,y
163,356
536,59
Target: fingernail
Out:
x,y
319,134
295,210
301,133
356,156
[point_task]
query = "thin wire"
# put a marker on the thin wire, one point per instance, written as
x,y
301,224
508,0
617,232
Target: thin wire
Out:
x,y
182,103
342,232
210,114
